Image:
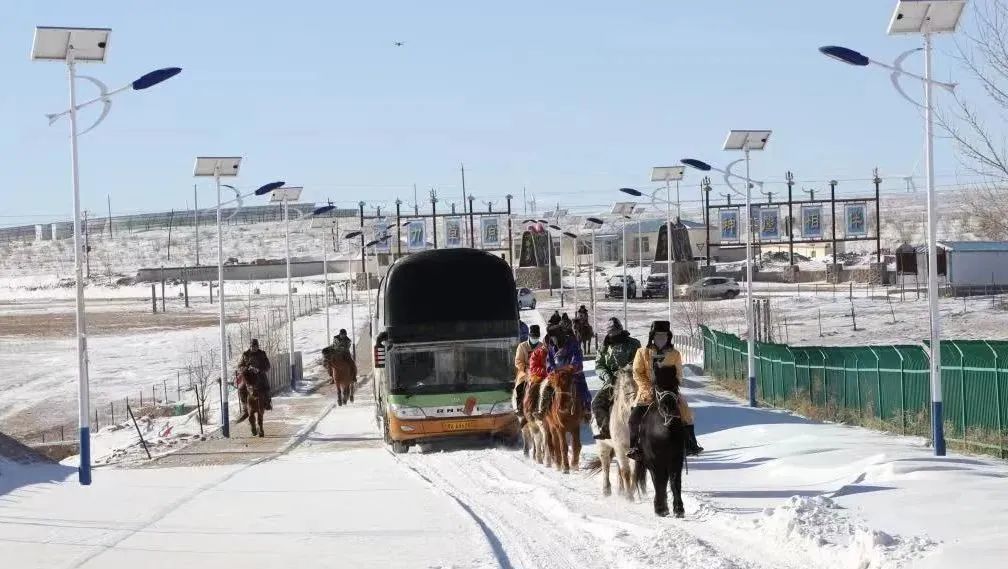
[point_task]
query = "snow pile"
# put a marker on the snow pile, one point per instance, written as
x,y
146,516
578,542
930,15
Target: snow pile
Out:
x,y
818,524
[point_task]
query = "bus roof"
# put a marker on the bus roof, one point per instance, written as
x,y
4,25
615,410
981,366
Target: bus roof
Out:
x,y
450,294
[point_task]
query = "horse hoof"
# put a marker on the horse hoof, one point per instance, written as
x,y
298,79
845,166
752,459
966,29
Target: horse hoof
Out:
x,y
261,434
607,492
680,514
663,513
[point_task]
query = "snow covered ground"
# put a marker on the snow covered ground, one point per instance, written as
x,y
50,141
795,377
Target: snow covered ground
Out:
x,y
772,490
130,349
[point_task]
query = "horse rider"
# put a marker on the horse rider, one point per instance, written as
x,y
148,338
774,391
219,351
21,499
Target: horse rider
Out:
x,y
618,351
582,313
521,362
342,341
661,350
555,319
565,351
566,323
256,361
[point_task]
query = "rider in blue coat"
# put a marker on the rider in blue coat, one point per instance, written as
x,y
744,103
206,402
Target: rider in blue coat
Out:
x,y
564,350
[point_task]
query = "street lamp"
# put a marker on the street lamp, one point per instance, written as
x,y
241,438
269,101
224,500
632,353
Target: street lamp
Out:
x,y
922,17
746,141
349,236
72,45
325,269
624,209
592,224
285,195
219,167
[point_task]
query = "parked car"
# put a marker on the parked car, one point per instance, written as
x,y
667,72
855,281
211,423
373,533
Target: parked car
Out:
x,y
711,287
526,300
614,287
656,286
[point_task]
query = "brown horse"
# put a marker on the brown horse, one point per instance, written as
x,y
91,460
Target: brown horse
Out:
x,y
342,372
563,418
534,432
255,402
584,332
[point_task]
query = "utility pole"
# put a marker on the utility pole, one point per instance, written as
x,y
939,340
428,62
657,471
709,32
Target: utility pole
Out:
x,y
525,200
416,204
195,214
108,198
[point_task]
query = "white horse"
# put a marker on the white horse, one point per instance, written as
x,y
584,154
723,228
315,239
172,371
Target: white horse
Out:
x,y
624,394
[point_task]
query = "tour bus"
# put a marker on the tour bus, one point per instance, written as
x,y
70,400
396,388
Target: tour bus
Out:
x,y
444,333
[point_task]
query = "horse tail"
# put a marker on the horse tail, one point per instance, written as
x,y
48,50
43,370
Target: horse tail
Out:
x,y
594,466
640,476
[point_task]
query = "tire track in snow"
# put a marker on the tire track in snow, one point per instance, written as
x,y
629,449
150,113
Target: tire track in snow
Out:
x,y
521,537
541,518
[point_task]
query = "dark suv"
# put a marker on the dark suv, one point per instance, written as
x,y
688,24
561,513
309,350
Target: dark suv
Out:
x,y
656,287
614,288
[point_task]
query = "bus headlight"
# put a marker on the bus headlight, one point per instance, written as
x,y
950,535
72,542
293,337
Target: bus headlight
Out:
x,y
502,407
405,412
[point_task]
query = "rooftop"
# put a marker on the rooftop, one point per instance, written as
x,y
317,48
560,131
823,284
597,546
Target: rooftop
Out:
x,y
975,246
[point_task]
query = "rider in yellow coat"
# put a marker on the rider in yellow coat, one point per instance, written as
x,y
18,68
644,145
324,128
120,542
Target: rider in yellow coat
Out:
x,y
659,347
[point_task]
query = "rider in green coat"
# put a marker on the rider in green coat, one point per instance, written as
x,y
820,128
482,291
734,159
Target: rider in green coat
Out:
x,y
617,352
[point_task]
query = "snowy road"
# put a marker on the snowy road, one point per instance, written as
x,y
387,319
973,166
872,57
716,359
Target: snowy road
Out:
x,y
772,490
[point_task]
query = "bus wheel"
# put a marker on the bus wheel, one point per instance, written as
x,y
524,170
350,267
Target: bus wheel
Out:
x,y
400,447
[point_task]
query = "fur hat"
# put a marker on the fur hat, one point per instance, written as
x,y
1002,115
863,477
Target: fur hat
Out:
x,y
535,331
659,327
613,326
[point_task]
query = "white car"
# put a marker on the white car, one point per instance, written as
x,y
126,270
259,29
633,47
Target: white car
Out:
x,y
526,299
711,287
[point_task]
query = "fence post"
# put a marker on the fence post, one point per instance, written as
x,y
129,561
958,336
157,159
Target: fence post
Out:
x,y
142,441
902,389
997,395
112,411
962,388
153,297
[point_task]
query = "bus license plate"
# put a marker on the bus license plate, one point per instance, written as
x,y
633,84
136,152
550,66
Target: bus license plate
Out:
x,y
459,425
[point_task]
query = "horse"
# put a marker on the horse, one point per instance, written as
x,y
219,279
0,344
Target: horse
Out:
x,y
624,393
584,332
255,403
342,372
534,433
662,442
562,418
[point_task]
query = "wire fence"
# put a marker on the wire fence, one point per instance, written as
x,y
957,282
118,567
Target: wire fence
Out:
x,y
196,385
887,385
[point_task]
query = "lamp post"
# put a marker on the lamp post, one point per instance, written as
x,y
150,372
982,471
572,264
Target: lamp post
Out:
x,y
924,17
70,46
624,209
284,196
592,224
746,141
325,269
219,167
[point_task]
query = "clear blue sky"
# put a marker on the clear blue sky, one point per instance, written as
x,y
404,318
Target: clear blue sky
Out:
x,y
570,99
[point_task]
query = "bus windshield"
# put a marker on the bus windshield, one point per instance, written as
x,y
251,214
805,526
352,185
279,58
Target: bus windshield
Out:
x,y
451,367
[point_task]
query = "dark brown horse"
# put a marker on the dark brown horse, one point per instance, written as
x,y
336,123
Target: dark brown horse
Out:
x,y
563,418
584,332
255,402
342,372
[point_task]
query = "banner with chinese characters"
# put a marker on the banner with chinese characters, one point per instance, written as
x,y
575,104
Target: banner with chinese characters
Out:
x,y
769,223
857,221
381,233
729,225
453,231
490,229
416,235
811,216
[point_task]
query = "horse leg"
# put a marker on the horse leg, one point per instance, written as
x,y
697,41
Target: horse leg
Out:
x,y
605,457
677,467
623,463
351,389
660,479
575,434
252,410
262,433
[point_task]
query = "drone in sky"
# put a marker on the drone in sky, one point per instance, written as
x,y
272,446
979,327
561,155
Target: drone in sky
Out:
x,y
399,43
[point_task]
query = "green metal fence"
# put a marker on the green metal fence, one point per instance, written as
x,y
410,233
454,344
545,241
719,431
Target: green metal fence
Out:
x,y
889,383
